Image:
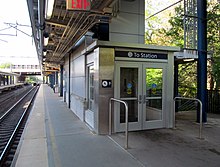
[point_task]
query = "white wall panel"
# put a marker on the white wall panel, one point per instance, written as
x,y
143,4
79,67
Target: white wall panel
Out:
x,y
78,86
130,6
129,22
77,107
125,23
127,38
78,67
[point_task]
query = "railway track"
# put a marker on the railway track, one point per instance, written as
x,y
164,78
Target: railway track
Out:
x,y
12,123
11,97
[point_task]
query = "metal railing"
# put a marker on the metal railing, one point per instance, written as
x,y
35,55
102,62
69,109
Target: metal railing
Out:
x,y
200,118
126,118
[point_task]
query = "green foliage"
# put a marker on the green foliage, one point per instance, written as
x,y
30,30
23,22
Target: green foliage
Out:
x,y
5,65
176,32
174,36
154,31
216,71
188,79
31,79
154,76
213,38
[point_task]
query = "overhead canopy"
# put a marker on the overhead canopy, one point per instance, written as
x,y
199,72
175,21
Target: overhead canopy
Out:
x,y
56,29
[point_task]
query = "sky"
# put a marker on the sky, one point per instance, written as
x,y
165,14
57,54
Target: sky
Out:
x,y
16,48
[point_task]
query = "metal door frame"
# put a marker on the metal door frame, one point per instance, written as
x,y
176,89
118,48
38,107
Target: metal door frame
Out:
x,y
154,123
141,124
119,127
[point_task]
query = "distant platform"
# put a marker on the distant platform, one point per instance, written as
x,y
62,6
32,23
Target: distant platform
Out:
x,y
11,86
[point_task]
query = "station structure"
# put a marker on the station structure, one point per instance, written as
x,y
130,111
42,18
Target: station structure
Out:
x,y
91,51
7,78
17,73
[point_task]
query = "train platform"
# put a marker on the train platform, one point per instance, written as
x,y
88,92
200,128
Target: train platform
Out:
x,y
54,136
10,86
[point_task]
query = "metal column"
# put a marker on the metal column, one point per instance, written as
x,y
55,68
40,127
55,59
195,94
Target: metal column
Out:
x,y
202,57
61,80
52,80
10,78
4,80
7,79
56,77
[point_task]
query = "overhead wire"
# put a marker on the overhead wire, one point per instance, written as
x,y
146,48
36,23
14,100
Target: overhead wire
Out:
x,y
15,26
163,9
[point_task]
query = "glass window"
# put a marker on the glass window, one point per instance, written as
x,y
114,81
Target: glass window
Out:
x,y
154,82
154,85
129,90
91,87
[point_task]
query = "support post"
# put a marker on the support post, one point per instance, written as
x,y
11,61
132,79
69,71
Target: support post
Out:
x,y
51,78
202,57
4,80
56,77
61,80
7,79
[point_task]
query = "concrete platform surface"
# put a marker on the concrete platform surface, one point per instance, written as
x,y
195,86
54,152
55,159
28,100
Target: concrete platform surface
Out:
x,y
180,147
55,137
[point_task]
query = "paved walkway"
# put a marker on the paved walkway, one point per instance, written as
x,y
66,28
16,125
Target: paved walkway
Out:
x,y
180,147
55,137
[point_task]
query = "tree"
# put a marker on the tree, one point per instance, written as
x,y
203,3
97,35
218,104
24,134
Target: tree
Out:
x,y
156,25
5,65
176,32
174,37
213,38
31,79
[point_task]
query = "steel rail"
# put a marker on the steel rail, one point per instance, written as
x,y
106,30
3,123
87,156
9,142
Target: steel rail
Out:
x,y
8,111
200,121
10,141
126,118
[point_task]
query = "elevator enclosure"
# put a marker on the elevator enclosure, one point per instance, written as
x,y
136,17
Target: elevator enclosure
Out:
x,y
141,75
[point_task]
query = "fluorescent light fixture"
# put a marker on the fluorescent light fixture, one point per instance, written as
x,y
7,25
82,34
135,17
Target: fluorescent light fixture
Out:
x,y
46,41
188,59
49,8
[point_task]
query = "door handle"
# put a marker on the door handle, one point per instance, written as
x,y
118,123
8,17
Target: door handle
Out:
x,y
144,99
140,99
